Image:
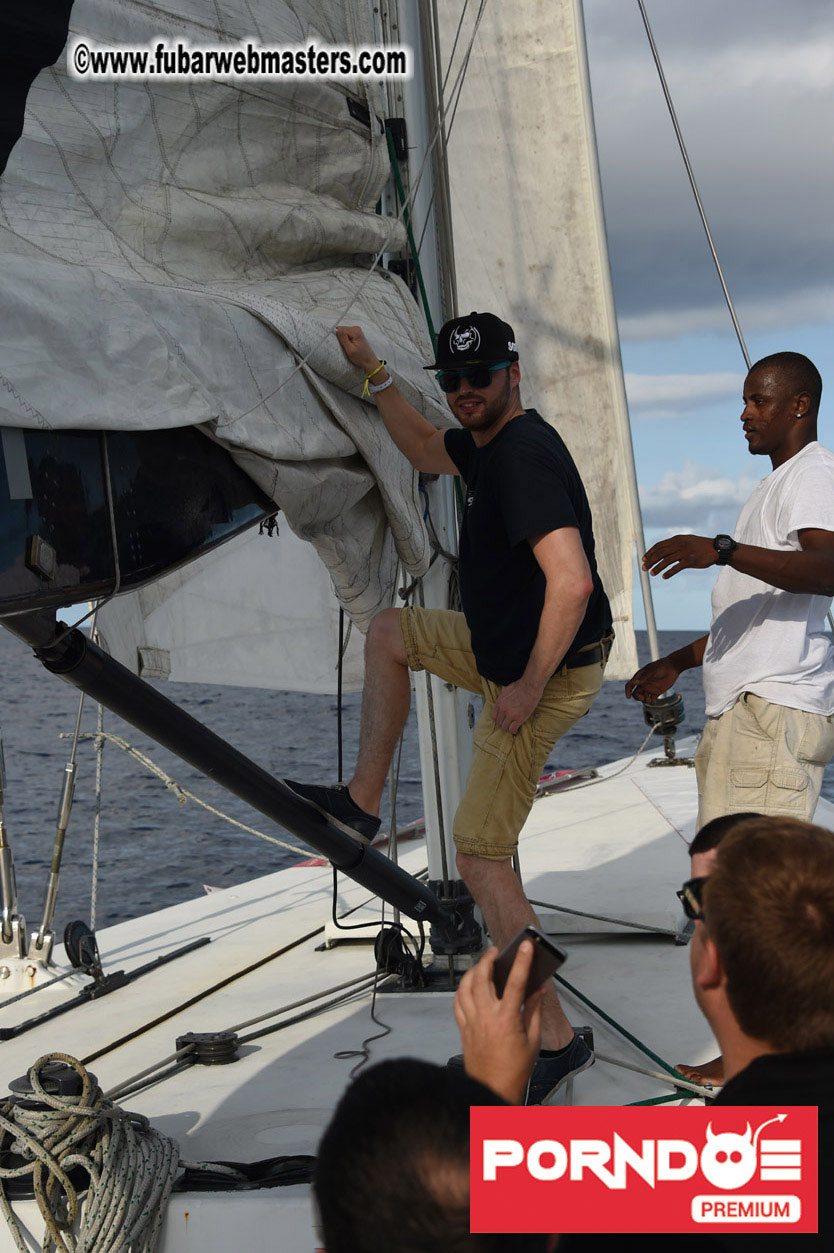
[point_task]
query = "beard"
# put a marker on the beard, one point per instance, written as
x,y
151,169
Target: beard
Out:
x,y
490,411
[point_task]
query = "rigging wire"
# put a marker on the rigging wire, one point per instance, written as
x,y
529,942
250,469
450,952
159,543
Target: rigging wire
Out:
x,y
94,874
605,777
339,676
691,175
64,814
701,211
438,797
166,1067
441,97
454,103
620,922
311,1013
698,1089
363,1053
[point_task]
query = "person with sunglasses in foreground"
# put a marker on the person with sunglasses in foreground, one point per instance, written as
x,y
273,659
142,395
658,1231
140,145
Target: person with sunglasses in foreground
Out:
x,y
702,852
533,637
762,966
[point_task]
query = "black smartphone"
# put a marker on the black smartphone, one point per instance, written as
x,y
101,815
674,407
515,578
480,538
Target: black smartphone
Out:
x,y
547,958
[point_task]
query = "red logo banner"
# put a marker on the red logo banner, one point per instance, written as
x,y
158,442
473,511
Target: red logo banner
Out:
x,y
643,1169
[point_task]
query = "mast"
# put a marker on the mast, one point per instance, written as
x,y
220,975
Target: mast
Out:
x,y
445,716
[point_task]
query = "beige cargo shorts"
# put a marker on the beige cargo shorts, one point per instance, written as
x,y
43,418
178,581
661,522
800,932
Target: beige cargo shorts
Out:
x,y
505,768
761,757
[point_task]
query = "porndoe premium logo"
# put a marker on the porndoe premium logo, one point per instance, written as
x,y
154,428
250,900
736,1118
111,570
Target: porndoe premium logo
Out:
x,y
629,1169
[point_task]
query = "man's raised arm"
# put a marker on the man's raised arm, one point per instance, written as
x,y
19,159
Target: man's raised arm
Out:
x,y
416,438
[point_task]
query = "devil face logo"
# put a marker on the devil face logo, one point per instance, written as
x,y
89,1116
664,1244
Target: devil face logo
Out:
x,y
728,1160
465,339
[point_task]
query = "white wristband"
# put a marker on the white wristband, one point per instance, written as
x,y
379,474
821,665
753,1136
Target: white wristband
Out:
x,y
380,387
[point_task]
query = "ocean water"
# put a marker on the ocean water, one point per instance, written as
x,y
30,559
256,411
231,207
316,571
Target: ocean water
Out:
x,y
156,851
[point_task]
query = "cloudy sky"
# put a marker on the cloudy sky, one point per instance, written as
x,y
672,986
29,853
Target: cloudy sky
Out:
x,y
752,85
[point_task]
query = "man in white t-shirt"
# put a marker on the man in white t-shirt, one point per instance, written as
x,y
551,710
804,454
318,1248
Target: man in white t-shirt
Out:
x,y
768,660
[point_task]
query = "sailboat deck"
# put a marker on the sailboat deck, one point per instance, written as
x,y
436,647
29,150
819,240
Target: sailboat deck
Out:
x,y
614,848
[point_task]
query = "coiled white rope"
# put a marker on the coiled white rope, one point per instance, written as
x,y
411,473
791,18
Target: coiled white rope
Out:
x,y
131,1168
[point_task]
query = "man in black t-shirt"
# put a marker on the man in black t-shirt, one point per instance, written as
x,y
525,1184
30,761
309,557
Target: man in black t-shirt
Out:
x,y
533,637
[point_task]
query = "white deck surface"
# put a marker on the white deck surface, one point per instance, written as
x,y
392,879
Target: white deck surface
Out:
x,y
617,847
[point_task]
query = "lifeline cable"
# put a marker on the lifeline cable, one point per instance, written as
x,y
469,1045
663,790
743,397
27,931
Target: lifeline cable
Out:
x,y
183,794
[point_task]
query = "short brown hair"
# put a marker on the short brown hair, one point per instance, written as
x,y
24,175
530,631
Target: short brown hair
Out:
x,y
769,908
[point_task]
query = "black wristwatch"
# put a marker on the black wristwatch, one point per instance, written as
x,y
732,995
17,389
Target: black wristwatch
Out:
x,y
725,546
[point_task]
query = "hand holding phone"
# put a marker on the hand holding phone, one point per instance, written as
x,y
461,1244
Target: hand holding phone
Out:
x,y
501,1036
547,958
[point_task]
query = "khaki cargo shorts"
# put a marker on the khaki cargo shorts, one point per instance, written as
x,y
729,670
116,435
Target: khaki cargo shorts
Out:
x,y
505,768
761,757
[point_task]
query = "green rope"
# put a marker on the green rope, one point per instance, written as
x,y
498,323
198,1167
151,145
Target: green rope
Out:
x,y
398,182
612,1022
661,1100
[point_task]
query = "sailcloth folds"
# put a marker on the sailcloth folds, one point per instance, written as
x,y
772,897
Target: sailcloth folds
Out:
x,y
176,254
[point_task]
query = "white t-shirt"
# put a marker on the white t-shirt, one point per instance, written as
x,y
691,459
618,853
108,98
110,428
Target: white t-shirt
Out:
x,y
764,640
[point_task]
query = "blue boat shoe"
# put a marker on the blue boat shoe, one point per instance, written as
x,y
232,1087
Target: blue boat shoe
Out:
x,y
337,804
551,1073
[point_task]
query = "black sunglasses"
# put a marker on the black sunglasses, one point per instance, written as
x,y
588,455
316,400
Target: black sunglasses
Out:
x,y
690,897
476,376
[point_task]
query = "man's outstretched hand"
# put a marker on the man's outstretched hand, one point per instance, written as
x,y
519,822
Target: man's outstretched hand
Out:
x,y
500,1040
681,552
356,347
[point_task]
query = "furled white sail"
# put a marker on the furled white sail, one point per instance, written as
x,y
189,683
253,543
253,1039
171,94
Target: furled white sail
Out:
x,y
530,244
176,254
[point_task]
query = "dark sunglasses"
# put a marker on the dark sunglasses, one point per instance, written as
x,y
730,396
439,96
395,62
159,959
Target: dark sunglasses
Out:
x,y
690,897
476,376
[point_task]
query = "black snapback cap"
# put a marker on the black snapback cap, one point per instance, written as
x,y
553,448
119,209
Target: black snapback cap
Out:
x,y
475,339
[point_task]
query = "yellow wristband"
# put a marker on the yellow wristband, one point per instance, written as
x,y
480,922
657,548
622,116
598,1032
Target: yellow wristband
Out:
x,y
366,390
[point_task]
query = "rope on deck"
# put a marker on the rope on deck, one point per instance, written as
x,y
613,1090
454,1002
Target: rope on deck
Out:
x,y
131,1167
632,1039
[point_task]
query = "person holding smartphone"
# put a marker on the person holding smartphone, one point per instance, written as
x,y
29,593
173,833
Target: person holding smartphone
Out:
x,y
762,967
500,1034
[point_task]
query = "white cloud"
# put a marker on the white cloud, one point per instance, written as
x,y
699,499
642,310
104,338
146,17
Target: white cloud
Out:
x,y
751,82
791,309
669,395
695,500
798,68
